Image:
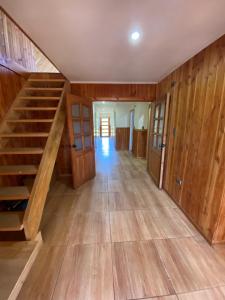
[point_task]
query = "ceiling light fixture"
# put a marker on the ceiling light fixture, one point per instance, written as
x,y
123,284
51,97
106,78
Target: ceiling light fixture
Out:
x,y
135,35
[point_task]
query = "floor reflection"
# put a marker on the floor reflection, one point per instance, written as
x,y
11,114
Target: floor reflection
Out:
x,y
105,146
105,154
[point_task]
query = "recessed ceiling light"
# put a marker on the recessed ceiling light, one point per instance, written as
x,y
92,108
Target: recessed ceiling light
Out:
x,y
135,35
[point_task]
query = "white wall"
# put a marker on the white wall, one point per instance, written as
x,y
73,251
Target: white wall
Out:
x,y
141,115
120,114
122,111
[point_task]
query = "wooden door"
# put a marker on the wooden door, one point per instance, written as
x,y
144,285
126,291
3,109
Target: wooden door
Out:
x,y
80,125
157,139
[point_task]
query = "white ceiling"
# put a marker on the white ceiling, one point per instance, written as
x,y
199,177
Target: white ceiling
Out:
x,y
89,39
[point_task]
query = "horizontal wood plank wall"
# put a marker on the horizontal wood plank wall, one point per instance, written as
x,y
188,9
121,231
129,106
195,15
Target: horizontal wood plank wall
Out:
x,y
196,147
122,138
145,91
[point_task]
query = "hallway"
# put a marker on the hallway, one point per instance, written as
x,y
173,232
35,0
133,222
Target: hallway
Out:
x,y
119,237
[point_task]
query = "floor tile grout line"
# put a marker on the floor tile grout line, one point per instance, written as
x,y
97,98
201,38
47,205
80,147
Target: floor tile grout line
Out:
x,y
164,267
201,290
56,281
111,246
154,297
113,281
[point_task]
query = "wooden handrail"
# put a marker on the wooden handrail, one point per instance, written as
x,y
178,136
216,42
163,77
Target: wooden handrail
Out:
x,y
34,211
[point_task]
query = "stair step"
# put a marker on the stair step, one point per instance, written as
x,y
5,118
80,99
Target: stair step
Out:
x,y
53,89
11,221
14,151
14,193
31,121
27,108
24,134
18,170
40,98
45,80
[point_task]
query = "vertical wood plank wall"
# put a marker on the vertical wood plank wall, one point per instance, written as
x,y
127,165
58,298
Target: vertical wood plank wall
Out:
x,y
196,147
139,142
17,51
10,85
122,138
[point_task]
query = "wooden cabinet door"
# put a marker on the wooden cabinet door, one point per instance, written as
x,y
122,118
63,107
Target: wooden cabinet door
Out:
x,y
157,139
80,125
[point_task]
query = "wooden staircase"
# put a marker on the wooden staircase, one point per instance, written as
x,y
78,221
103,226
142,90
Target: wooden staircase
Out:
x,y
30,136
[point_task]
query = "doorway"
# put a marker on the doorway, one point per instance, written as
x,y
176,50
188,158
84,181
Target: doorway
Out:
x,y
105,128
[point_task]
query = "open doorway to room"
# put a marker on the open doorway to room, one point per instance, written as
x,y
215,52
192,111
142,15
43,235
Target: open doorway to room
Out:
x,y
104,119
105,127
122,125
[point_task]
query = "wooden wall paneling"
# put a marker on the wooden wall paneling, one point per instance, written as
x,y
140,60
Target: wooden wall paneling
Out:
x,y
134,142
200,173
207,112
218,180
122,138
42,63
139,143
18,52
10,85
187,186
196,132
115,92
215,183
64,164
19,48
3,55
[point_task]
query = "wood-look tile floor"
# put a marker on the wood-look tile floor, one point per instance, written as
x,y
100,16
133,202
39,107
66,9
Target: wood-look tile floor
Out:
x,y
119,238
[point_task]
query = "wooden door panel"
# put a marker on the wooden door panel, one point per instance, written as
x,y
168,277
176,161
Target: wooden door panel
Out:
x,y
89,165
154,163
157,139
78,170
80,125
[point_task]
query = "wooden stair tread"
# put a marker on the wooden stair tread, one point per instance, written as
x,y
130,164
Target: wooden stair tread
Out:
x,y
18,170
30,121
24,108
29,150
33,88
14,193
39,98
24,134
11,221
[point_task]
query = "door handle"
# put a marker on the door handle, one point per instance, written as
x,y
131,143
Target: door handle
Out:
x,y
162,146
